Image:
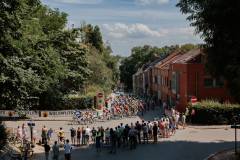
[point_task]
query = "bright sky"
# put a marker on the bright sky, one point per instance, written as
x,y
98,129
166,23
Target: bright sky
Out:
x,y
129,23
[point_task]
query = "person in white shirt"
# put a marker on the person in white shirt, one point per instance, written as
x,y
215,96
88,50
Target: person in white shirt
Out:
x,y
88,132
67,150
177,119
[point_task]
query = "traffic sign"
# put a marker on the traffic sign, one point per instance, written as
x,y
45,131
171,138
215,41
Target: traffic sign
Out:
x,y
100,95
100,101
193,100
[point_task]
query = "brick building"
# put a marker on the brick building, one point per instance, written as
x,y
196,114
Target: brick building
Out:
x,y
178,77
190,78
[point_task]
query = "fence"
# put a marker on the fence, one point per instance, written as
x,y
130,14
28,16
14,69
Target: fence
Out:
x,y
61,113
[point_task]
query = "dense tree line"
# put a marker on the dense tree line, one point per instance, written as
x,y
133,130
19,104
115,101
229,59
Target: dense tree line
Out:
x,y
216,21
145,54
41,61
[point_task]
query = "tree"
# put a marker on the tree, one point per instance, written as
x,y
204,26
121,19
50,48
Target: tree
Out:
x,y
37,56
42,61
216,21
92,36
103,65
188,47
16,78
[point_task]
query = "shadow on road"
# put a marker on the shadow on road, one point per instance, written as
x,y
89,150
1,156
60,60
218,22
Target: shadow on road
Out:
x,y
168,150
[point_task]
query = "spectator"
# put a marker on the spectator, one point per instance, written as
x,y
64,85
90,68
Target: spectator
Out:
x,y
67,150
61,135
150,126
113,140
145,133
73,135
44,135
47,150
155,132
94,133
79,132
102,133
125,135
88,133
107,136
132,137
49,134
83,136
183,121
98,141
24,133
138,128
55,151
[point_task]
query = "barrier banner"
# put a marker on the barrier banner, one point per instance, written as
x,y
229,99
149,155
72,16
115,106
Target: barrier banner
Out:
x,y
63,113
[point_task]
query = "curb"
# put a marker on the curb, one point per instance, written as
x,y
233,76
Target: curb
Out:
x,y
218,152
223,127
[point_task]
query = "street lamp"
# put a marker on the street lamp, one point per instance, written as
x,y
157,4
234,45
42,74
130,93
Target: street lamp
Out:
x,y
31,124
236,126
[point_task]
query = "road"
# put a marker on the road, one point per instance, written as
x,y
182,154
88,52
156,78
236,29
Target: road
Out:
x,y
192,143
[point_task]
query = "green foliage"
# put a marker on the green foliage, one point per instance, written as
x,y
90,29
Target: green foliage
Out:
x,y
3,136
92,36
216,20
212,112
40,60
102,64
188,47
78,102
138,57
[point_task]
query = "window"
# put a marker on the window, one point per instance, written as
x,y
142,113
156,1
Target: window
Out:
x,y
159,79
219,82
213,83
155,79
208,82
159,95
173,83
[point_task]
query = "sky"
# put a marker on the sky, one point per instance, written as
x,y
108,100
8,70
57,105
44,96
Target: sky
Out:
x,y
129,23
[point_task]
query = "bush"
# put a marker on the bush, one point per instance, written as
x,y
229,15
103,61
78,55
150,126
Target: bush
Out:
x,y
78,102
212,112
3,136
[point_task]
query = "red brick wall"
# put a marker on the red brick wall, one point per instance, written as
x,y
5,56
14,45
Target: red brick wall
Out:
x,y
192,84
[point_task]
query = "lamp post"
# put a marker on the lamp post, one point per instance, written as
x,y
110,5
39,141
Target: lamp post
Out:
x,y
236,126
31,124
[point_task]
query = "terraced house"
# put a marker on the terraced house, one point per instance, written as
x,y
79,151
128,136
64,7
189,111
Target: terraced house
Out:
x,y
177,78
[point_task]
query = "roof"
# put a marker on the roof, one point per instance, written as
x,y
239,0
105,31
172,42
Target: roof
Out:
x,y
165,61
187,57
168,59
150,65
139,71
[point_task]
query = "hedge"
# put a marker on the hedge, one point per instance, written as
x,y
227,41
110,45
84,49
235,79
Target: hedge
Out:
x,y
78,102
212,112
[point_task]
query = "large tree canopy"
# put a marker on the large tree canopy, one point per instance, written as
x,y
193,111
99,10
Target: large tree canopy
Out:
x,y
217,22
42,61
38,56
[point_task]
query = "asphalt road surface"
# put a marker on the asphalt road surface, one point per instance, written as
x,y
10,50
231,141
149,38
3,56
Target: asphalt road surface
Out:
x,y
192,143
